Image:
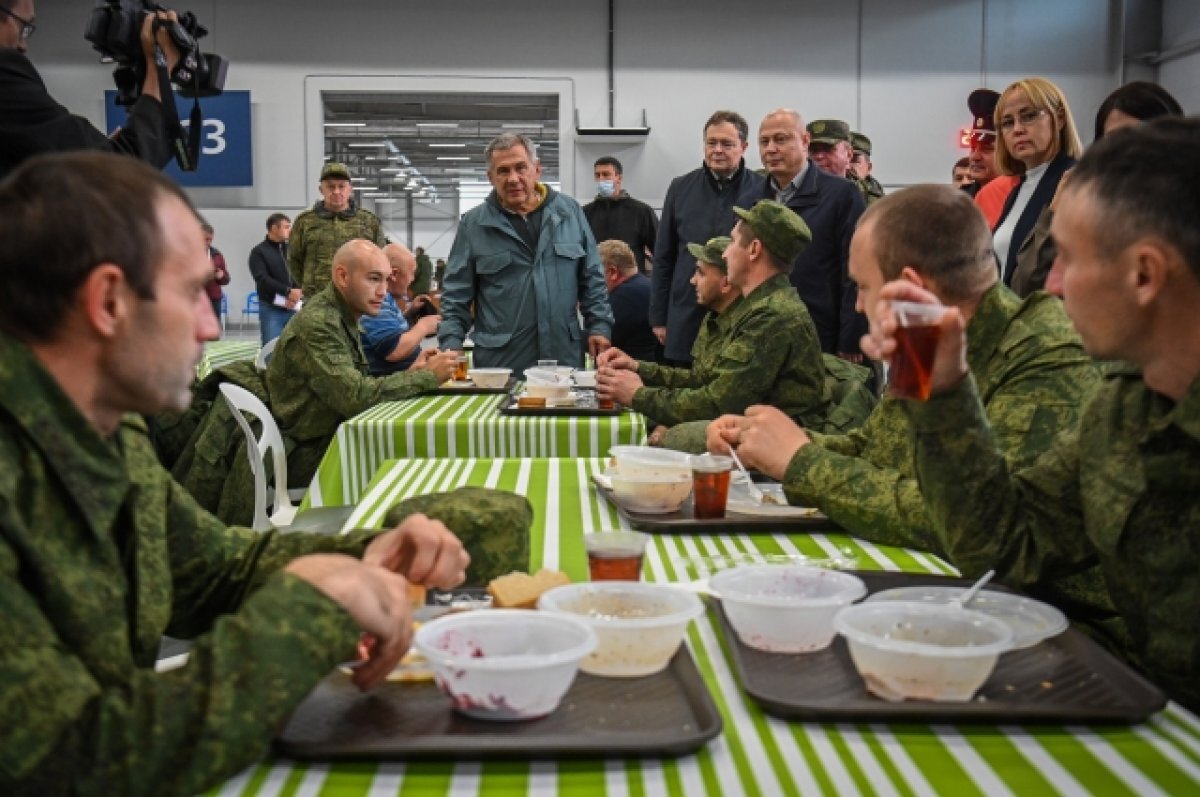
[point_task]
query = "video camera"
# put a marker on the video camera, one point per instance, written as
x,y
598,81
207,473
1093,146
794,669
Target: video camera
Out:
x,y
114,30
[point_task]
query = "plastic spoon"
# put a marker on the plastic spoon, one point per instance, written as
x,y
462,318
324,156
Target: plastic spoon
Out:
x,y
755,493
964,600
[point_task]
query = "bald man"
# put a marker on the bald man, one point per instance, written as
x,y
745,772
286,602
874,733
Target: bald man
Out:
x,y
392,338
319,377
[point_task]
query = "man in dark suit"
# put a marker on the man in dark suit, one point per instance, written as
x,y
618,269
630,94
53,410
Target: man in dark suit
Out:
x,y
278,296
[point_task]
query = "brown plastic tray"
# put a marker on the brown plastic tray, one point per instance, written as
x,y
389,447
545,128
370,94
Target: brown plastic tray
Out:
x,y
585,406
473,390
683,522
667,714
1064,679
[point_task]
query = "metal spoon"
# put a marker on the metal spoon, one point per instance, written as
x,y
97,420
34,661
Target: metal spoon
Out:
x,y
964,600
755,493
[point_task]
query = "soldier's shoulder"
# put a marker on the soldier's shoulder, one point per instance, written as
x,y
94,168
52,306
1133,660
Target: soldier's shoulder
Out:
x,y
1042,317
363,213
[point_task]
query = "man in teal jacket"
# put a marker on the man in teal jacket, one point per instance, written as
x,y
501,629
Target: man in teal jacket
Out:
x,y
525,259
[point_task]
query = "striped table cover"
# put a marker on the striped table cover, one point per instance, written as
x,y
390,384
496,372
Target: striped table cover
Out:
x,y
223,352
756,754
456,426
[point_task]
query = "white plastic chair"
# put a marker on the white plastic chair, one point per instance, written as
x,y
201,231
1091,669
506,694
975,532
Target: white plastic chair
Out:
x,y
264,354
283,512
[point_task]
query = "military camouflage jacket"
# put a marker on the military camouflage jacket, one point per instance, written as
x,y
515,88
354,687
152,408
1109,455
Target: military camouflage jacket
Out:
x,y
318,375
101,553
1122,490
1034,378
317,234
764,349
872,190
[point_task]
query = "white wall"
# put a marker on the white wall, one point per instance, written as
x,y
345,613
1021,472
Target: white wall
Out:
x,y
1181,77
899,70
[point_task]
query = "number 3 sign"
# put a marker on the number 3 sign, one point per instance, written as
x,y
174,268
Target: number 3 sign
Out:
x,y
225,149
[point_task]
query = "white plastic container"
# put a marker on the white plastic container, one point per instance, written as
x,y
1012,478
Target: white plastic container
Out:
x,y
489,377
505,664
785,608
653,462
584,378
657,494
921,651
639,626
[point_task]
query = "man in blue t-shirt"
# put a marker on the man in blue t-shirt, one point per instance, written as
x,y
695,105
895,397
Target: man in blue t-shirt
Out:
x,y
392,339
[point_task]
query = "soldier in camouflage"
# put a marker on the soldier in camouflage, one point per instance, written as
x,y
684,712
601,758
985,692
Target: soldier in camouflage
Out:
x,y
861,168
101,553
764,349
322,229
1121,489
319,376
1032,371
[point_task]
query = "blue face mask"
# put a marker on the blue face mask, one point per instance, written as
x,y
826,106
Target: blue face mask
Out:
x,y
604,187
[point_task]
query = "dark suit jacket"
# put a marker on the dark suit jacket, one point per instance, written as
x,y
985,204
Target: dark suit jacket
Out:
x,y
268,266
32,123
1039,201
830,206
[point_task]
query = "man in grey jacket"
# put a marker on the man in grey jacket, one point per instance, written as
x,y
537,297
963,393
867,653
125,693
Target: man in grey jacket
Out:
x,y
525,258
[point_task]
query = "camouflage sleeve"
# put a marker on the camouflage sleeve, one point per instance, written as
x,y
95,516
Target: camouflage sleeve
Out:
x,y
850,444
1027,525
337,382
380,237
655,375
492,524
296,246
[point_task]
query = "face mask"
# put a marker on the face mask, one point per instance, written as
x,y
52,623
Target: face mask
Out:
x,y
604,187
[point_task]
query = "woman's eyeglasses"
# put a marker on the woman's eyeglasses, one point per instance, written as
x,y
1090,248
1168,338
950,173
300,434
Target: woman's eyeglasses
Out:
x,y
1025,117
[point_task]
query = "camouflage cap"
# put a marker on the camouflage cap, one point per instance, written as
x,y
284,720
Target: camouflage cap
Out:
x,y
782,232
335,170
712,252
982,103
860,143
828,131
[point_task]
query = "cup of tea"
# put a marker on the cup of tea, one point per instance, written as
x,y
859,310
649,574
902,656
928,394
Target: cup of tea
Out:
x,y
615,555
460,368
710,485
910,374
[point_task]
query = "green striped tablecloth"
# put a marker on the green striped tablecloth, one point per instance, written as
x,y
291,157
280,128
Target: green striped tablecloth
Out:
x,y
756,754
223,352
456,426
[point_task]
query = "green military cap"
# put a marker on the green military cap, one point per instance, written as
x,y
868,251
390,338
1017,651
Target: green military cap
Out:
x,y
860,143
712,252
335,170
782,232
828,131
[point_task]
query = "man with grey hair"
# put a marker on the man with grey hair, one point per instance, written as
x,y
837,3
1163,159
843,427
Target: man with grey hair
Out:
x,y
525,258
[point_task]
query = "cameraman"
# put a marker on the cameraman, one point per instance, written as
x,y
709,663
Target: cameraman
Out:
x,y
31,122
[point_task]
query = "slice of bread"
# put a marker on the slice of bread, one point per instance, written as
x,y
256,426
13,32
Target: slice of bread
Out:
x,y
521,590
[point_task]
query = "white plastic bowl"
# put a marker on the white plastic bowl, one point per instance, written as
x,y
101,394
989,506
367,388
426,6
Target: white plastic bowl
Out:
x,y
785,608
657,494
505,664
489,377
921,651
639,626
584,378
650,462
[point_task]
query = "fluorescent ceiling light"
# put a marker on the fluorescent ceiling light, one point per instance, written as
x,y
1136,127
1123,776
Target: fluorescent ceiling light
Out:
x,y
358,179
366,188
447,125
532,125
386,199
345,124
454,157
374,145
447,146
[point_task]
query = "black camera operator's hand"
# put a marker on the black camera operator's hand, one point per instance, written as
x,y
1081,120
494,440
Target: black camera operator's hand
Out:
x,y
150,86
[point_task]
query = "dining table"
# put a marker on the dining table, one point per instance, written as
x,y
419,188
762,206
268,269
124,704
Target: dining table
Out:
x,y
448,425
223,352
755,753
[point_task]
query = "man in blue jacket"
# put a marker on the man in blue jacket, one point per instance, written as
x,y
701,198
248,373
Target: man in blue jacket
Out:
x,y
525,258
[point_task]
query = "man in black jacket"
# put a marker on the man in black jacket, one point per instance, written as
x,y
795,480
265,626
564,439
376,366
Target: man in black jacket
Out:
x,y
31,122
699,206
278,296
614,214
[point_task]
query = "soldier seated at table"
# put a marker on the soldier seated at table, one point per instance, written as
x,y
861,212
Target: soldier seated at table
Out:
x,y
319,376
392,338
1033,376
757,344
1121,490
101,552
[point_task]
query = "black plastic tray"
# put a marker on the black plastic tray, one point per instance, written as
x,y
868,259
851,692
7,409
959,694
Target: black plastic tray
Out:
x,y
473,390
585,406
1064,679
667,714
682,522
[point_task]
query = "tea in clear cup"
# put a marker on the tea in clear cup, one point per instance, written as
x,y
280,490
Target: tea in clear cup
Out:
x,y
615,555
710,485
460,368
918,329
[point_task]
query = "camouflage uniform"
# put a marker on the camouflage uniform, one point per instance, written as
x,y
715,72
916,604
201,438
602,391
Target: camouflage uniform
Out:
x,y
318,377
871,188
317,234
493,526
1034,378
1120,491
762,350
101,553
423,278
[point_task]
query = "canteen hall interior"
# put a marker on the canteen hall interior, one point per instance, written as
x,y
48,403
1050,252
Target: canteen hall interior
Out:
x,y
897,70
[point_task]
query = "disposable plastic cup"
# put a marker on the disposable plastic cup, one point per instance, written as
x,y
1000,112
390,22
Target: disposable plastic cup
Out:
x,y
710,485
917,336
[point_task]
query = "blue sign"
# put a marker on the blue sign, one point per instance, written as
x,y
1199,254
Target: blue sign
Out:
x,y
225,151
